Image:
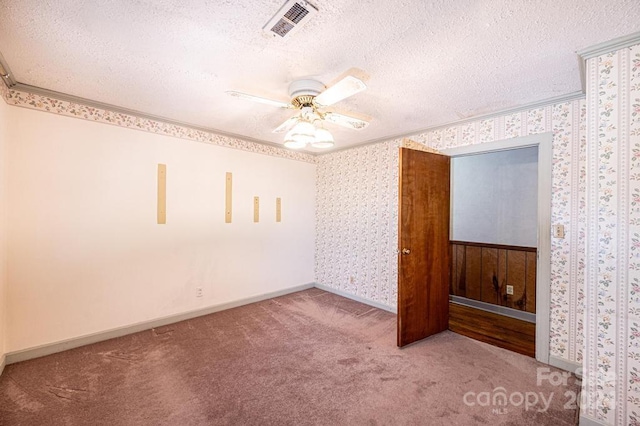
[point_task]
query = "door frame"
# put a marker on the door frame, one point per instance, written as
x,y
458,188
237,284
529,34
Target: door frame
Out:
x,y
543,268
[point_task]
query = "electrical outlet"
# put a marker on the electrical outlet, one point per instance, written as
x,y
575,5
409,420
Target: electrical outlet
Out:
x,y
558,231
352,279
510,290
198,291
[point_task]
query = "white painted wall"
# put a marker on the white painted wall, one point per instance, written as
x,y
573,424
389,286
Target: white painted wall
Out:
x,y
3,225
85,252
494,197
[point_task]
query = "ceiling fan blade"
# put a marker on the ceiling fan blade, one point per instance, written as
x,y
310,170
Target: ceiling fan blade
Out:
x,y
253,98
286,125
345,120
344,88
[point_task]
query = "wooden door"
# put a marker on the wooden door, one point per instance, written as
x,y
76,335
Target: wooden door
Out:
x,y
424,258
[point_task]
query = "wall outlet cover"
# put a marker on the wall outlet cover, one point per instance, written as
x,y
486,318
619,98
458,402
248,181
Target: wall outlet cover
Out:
x,y
558,231
510,290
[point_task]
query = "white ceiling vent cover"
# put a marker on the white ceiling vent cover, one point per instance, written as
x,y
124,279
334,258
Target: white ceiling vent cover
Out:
x,y
290,18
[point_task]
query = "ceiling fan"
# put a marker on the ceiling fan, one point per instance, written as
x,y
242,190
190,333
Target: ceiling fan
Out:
x,y
310,97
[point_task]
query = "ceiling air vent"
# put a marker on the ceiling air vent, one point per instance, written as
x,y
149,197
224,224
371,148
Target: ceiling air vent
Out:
x,y
290,18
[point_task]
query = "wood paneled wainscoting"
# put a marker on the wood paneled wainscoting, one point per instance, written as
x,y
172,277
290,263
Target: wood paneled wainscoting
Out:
x,y
493,290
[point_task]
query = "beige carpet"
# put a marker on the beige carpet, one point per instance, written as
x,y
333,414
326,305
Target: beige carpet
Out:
x,y
309,358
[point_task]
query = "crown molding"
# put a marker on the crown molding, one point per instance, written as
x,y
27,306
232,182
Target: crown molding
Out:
x,y
583,55
109,107
609,46
8,77
21,87
582,69
533,105
13,84
602,49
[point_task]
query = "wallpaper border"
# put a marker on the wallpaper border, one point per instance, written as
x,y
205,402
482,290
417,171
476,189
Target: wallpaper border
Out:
x,y
477,121
105,115
36,98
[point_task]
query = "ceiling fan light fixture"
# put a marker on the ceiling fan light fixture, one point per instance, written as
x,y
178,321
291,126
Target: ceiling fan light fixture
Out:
x,y
303,132
323,139
292,143
323,145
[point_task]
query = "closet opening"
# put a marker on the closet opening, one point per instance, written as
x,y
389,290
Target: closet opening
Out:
x,y
500,243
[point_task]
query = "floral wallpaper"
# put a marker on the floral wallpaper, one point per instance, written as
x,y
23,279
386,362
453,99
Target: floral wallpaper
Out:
x,y
567,121
612,325
357,221
4,91
357,217
56,106
357,211
411,144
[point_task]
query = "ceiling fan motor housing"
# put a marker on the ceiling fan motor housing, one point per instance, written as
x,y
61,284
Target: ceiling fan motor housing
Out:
x,y
303,91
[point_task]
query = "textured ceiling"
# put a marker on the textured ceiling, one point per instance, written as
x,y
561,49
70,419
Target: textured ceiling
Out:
x,y
427,62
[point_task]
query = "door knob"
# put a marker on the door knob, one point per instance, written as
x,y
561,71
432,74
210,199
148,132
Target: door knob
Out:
x,y
406,251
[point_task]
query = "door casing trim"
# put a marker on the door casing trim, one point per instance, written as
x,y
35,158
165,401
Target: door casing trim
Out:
x,y
544,143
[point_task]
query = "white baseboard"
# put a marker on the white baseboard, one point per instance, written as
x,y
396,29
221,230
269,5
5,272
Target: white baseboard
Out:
x,y
3,362
51,348
563,364
590,421
357,298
